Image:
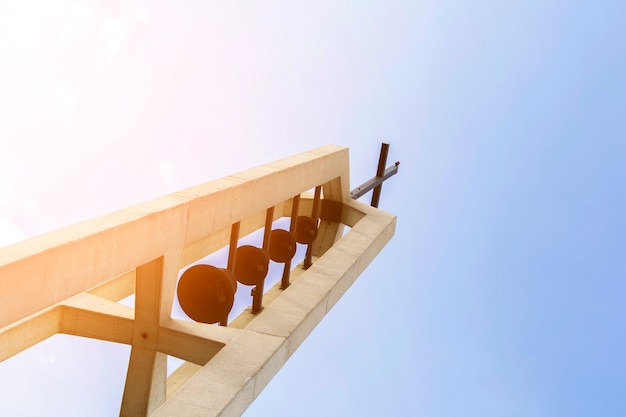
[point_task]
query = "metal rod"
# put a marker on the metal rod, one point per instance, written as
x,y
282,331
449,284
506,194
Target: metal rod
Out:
x,y
294,213
284,282
309,249
232,250
257,291
295,206
382,161
269,219
373,182
232,253
257,298
316,202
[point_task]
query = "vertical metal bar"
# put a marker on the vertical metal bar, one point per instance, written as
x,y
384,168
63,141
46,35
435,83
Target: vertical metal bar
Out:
x,y
316,202
295,206
315,213
257,298
232,250
269,219
382,161
294,213
257,291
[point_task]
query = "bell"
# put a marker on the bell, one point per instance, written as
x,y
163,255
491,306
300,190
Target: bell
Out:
x,y
251,265
282,246
206,293
306,229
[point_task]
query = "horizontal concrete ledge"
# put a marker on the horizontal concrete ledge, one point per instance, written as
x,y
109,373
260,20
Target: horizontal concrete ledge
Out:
x,y
232,379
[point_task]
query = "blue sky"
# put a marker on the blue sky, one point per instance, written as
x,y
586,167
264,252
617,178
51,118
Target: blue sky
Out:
x,y
502,291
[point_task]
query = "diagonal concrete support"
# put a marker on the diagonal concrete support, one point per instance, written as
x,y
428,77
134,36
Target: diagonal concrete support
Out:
x,y
146,382
187,346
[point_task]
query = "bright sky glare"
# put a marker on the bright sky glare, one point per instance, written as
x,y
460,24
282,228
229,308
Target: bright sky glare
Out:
x,y
502,291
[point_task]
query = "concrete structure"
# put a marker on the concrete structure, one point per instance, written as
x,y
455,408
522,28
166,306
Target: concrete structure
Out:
x,y
69,281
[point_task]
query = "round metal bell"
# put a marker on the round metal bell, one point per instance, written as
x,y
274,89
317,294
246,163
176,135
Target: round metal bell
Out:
x,y
282,246
206,293
306,229
251,265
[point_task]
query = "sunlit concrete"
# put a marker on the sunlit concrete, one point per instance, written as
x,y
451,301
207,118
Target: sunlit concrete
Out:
x,y
69,281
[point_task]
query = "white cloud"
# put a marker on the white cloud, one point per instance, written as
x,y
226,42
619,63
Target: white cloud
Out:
x,y
74,23
10,232
25,24
114,32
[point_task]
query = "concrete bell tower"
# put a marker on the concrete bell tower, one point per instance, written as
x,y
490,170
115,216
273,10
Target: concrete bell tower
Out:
x,y
152,250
